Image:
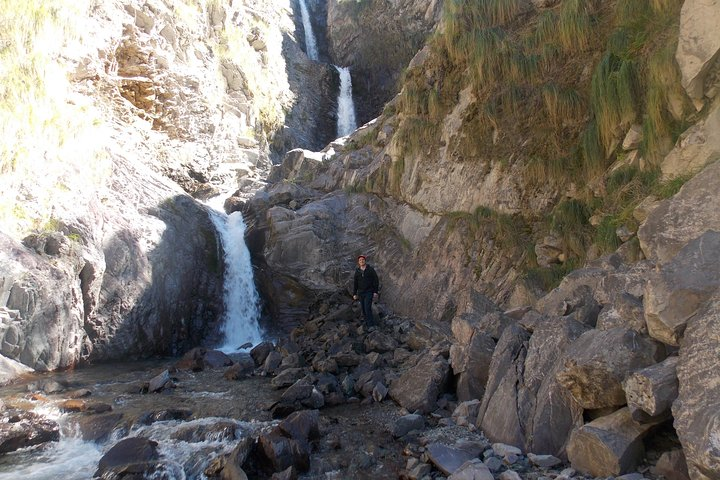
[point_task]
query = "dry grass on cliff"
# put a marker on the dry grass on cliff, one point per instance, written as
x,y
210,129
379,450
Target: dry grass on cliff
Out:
x,y
49,135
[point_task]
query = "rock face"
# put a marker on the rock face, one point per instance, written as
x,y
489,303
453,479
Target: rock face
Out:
x,y
696,409
377,39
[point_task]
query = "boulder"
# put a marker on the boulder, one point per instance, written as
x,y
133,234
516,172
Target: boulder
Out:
x,y
698,45
522,374
418,388
696,410
260,352
134,455
471,365
675,292
608,446
676,221
25,429
593,373
653,389
672,465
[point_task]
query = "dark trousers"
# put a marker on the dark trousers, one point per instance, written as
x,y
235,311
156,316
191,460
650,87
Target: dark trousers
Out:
x,y
366,306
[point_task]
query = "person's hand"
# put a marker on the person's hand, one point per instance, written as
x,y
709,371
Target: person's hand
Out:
x,y
354,297
375,295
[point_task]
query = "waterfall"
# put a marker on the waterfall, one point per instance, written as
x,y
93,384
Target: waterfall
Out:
x,y
310,43
242,310
346,122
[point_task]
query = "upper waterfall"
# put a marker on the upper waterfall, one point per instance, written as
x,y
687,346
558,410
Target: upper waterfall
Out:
x,y
310,42
346,122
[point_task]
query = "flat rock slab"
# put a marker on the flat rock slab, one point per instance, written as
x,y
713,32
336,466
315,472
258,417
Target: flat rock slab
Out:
x,y
447,459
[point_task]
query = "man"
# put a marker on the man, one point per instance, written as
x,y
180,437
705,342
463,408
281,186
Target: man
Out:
x,y
365,288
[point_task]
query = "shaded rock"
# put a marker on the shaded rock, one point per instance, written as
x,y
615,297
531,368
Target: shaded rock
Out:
x,y
243,368
98,428
419,387
672,465
379,342
192,360
676,221
609,446
471,365
543,461
472,470
696,411
593,373
135,455
287,377
408,423
272,362
674,294
216,359
653,389
447,459
303,426
260,352
78,405
149,418
159,382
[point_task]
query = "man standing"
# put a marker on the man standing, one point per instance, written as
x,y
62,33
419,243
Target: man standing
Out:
x,y
366,286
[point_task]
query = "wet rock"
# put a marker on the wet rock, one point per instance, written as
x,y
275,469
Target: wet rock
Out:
x,y
418,388
218,430
48,386
81,393
84,406
25,429
98,428
135,455
407,424
159,382
149,418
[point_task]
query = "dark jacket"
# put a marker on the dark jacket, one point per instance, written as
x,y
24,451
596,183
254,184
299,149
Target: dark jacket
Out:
x,y
366,281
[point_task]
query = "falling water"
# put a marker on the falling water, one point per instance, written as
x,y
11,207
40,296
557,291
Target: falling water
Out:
x,y
346,122
310,43
242,310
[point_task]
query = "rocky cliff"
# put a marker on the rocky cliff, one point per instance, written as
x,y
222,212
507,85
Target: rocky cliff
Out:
x,y
113,120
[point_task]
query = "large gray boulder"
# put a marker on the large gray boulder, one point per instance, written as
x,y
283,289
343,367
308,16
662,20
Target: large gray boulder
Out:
x,y
694,210
597,363
522,375
418,388
696,411
675,292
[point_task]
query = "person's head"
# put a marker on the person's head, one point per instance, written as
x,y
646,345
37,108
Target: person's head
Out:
x,y
361,260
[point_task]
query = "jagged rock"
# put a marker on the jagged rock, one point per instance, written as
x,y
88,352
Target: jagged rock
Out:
x,y
134,455
472,470
408,423
652,389
272,362
471,365
697,147
447,459
159,382
260,352
418,388
676,221
216,359
695,411
681,287
609,446
593,373
287,377
302,426
242,368
672,465
545,413
25,429
698,45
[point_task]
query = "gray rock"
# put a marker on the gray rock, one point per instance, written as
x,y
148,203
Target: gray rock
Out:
x,y
680,288
472,470
448,459
407,424
158,382
135,454
418,388
695,411
543,461
698,45
672,465
593,373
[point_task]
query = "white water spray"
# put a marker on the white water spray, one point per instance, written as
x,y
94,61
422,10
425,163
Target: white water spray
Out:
x,y
310,43
346,123
242,310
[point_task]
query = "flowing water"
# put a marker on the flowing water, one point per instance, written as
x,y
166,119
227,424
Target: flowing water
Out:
x,y
242,303
310,42
346,123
